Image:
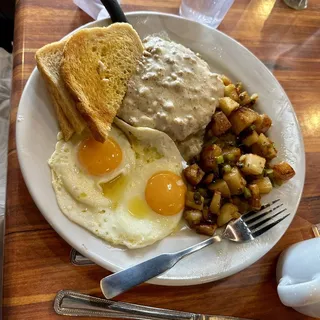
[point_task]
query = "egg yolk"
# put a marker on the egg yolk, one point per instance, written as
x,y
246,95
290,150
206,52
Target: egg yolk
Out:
x,y
165,193
99,158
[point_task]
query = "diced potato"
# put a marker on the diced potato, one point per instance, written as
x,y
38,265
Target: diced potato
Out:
x,y
251,139
244,98
208,157
220,124
228,212
265,147
193,217
242,119
207,215
204,192
227,105
239,87
255,200
215,203
231,155
227,140
263,123
207,229
264,184
221,186
208,178
283,171
235,181
231,92
193,174
226,81
194,200
242,205
252,164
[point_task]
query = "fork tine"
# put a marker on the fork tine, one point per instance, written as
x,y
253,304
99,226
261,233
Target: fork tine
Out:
x,y
251,213
253,225
260,214
268,227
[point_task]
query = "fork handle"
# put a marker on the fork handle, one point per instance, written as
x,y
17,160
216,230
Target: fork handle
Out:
x,y
124,280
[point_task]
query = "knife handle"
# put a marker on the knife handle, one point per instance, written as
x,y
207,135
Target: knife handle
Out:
x,y
119,282
74,304
70,303
115,11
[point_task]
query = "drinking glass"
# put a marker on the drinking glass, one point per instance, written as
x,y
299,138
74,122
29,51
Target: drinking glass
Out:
x,y
210,12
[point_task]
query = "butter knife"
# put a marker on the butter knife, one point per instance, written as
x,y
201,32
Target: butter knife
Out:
x,y
70,303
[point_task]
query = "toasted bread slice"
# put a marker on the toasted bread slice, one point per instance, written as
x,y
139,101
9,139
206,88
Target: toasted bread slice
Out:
x,y
97,64
49,61
65,126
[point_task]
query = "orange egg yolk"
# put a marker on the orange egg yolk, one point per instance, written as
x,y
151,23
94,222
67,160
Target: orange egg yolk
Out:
x,y
165,193
99,158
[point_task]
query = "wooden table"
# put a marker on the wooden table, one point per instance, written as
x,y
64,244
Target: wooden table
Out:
x,y
37,259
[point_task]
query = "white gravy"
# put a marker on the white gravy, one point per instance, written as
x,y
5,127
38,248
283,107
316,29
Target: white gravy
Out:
x,y
174,91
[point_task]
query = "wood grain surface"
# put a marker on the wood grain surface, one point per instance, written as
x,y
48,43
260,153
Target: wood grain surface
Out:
x,y
37,259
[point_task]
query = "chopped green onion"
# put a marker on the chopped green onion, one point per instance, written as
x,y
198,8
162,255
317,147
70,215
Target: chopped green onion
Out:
x,y
252,127
219,160
227,168
247,193
229,157
211,141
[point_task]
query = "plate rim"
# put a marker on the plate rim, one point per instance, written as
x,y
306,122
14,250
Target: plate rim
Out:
x,y
96,258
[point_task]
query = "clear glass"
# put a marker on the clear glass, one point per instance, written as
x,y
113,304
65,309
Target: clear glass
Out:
x,y
210,12
297,4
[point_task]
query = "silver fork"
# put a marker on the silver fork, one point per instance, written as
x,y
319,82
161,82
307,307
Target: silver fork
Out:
x,y
246,228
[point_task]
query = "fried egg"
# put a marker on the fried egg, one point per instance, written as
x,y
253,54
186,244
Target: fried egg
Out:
x,y
128,191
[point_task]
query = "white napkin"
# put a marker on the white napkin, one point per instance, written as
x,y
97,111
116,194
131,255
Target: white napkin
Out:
x,y
94,8
5,90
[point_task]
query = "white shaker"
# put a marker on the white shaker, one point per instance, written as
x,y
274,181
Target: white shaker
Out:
x,y
298,276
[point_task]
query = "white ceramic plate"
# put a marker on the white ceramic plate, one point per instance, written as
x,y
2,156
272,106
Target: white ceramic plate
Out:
x,y
36,138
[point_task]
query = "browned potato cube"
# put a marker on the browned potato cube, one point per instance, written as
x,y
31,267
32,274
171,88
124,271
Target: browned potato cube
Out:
x,y
193,174
283,171
227,105
255,199
231,92
265,147
242,119
208,178
252,164
228,212
235,181
244,98
208,157
231,155
207,229
263,123
221,186
251,139
194,200
220,124
242,205
226,81
264,184
239,87
215,203
192,216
